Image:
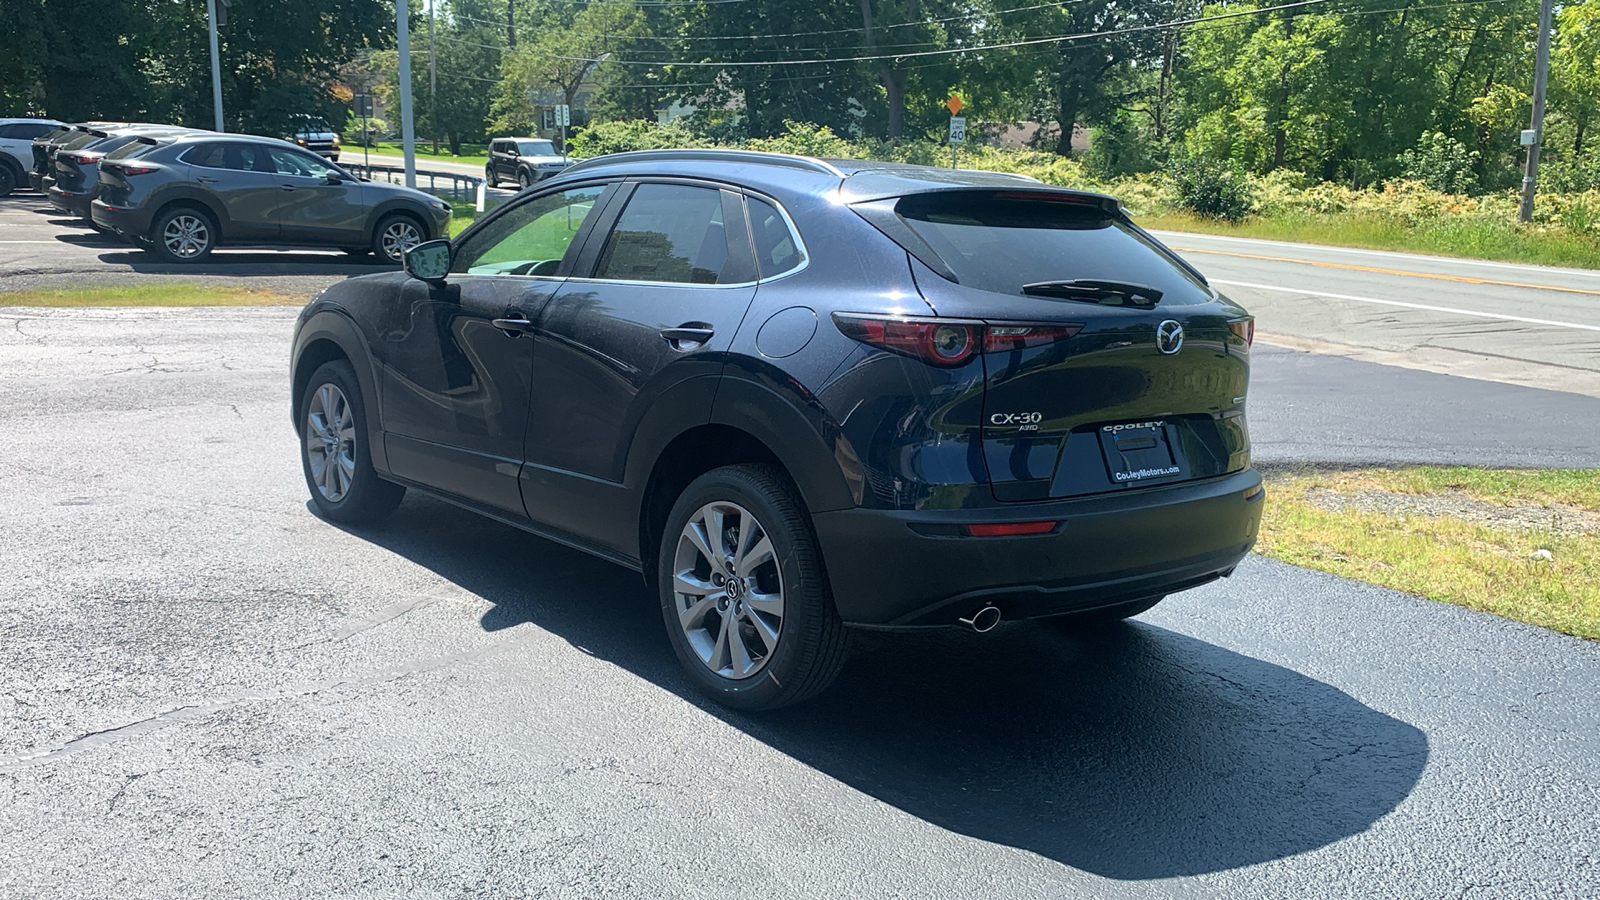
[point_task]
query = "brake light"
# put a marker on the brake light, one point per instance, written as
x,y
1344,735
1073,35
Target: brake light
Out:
x,y
126,169
947,342
1010,529
998,338
1244,328
82,159
941,342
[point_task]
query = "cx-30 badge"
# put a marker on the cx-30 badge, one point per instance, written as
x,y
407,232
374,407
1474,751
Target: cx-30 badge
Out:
x,y
1169,337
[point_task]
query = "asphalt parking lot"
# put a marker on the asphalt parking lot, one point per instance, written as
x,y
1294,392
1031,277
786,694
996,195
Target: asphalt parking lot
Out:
x,y
207,691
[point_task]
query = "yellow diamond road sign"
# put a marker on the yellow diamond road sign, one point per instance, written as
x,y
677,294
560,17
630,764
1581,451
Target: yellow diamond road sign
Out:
x,y
954,104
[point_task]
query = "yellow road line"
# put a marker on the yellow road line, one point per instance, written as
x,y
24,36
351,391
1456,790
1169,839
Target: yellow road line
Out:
x,y
1382,271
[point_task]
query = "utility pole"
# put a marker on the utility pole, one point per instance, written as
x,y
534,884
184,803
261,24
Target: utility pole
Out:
x,y
433,83
216,64
1534,136
408,132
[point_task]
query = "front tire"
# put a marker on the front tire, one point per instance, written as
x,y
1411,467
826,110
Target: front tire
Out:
x,y
524,180
8,180
183,235
334,454
744,594
396,233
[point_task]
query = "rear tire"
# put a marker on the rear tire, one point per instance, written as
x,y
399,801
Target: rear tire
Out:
x,y
183,235
334,453
488,177
755,627
9,179
1104,616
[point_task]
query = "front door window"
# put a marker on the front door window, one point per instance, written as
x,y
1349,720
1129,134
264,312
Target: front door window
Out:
x,y
531,239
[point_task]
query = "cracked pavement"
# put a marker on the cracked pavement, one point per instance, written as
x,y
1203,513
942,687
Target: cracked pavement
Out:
x,y
207,691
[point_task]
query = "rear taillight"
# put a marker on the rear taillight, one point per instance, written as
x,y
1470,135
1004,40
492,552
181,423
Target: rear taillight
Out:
x,y
126,169
942,342
1244,328
999,338
82,159
947,342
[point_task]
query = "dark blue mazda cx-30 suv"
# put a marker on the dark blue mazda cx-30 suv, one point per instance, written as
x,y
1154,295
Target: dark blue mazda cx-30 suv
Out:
x,y
802,397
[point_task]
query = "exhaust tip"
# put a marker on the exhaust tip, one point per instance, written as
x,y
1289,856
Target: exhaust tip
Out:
x,y
984,620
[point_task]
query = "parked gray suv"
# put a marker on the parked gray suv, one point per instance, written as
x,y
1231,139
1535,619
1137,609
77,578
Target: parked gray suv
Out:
x,y
190,193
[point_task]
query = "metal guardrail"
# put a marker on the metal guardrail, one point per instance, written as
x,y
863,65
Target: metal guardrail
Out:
x,y
461,186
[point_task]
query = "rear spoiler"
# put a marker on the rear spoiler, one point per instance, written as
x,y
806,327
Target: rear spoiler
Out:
x,y
146,139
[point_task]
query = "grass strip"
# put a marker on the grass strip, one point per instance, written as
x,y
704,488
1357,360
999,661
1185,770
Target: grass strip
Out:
x,y
1520,544
1459,237
170,294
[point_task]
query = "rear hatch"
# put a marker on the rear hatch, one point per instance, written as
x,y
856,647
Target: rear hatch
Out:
x,y
1109,363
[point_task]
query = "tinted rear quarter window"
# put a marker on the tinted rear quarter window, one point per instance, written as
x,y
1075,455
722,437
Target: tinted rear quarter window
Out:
x,y
130,151
777,248
1000,241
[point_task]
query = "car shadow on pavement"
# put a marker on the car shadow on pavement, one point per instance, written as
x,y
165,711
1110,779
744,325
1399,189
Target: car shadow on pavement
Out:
x,y
1132,752
246,262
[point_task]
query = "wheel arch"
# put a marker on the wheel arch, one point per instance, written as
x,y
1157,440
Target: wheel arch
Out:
x,y
749,423
400,206
327,336
169,202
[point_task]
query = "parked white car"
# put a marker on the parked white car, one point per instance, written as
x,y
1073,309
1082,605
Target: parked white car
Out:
x,y
16,149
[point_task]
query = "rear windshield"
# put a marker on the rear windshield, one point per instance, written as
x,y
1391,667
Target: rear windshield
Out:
x,y
130,150
1000,241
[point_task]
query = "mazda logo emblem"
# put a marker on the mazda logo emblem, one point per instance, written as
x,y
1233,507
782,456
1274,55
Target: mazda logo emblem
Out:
x,y
1169,337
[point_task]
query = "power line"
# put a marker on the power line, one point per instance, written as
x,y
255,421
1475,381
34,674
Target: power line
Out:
x,y
1006,45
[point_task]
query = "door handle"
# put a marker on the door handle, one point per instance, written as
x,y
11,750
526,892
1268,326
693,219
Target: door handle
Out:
x,y
204,180
287,187
513,327
688,335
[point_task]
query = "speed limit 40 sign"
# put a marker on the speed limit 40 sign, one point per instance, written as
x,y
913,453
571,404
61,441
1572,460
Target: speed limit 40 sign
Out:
x,y
958,129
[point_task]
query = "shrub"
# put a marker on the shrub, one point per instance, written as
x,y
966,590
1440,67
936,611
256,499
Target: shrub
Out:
x,y
1212,189
1442,163
805,139
633,134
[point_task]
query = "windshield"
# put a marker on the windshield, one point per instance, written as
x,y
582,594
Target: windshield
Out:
x,y
536,148
1001,241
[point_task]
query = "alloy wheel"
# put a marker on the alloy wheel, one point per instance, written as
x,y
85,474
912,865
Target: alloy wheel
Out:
x,y
330,441
186,236
400,236
729,590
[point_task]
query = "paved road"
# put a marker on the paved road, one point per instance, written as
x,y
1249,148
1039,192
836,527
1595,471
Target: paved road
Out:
x,y
1529,325
207,691
1320,408
43,249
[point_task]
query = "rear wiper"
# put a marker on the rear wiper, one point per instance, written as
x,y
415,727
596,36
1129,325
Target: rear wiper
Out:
x,y
1095,290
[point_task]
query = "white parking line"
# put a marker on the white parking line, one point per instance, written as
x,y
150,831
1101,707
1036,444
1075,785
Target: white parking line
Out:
x,y
1320,248
1443,309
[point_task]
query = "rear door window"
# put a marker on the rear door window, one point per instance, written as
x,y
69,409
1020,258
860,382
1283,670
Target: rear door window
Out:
x,y
670,233
1002,240
239,157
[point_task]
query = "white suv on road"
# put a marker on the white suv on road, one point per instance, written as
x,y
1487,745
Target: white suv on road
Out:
x,y
16,149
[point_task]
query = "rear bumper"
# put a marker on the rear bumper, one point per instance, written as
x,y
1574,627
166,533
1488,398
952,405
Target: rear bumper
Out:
x,y
127,222
78,204
905,569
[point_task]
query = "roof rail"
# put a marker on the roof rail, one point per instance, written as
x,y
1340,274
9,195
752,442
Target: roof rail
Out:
x,y
756,157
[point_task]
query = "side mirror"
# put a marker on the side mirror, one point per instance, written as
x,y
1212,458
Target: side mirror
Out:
x,y
429,261
335,178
